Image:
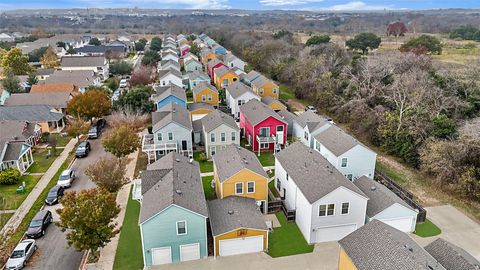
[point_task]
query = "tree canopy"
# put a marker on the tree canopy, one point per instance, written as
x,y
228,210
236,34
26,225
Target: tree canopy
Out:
x,y
140,44
14,62
49,58
120,68
95,41
108,173
151,57
121,141
364,42
429,43
137,100
12,84
93,103
467,32
156,44
320,39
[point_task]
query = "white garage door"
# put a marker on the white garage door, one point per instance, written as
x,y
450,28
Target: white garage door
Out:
x,y
402,224
241,245
197,116
334,233
161,255
190,252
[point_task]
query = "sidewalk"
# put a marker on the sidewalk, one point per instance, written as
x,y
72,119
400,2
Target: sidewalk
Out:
x,y
22,211
107,254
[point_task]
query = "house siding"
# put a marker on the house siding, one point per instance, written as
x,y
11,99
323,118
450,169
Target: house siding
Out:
x,y
171,79
344,262
160,231
171,99
228,187
192,66
180,133
234,235
267,90
205,92
229,76
272,123
218,143
232,103
360,161
397,211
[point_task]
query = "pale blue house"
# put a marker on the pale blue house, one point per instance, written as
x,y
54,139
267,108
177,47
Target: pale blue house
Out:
x,y
220,50
173,216
165,95
192,65
197,77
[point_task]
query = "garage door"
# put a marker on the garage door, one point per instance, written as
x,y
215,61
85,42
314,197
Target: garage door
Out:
x,y
241,245
161,255
402,224
190,252
334,233
197,116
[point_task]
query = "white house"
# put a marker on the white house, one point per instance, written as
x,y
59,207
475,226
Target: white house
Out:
x,y
168,50
168,64
238,94
169,77
189,56
386,206
232,61
327,206
344,152
98,64
170,56
308,124
218,131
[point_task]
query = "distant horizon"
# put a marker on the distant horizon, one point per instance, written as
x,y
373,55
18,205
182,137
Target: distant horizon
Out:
x,y
250,5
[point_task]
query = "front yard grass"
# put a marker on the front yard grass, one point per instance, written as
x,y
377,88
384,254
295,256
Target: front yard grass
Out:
x,y
62,140
129,250
9,192
41,161
4,219
207,188
427,229
266,158
287,240
271,186
205,165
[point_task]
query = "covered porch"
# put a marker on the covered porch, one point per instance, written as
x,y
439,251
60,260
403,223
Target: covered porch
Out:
x,y
155,151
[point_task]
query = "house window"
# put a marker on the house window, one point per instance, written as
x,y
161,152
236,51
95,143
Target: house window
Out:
x,y
234,136
322,210
261,91
225,82
212,137
274,91
170,136
326,210
209,97
305,135
239,188
163,83
345,208
250,187
159,136
344,162
279,184
331,209
181,227
264,132
317,146
350,176
286,177
264,146
212,150
204,98
223,137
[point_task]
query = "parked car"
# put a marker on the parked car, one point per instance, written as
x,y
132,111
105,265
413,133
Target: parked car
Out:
x,y
93,132
54,195
82,149
39,224
311,108
66,178
101,123
21,254
123,83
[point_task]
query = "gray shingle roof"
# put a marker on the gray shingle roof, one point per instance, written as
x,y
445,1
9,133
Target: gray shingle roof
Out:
x,y
171,113
260,81
165,72
451,256
252,75
80,78
83,61
44,71
238,88
195,74
192,60
202,85
233,213
32,113
164,54
100,49
55,99
200,105
377,246
234,158
312,173
13,150
311,119
287,115
220,71
177,182
165,63
380,196
161,92
256,112
217,118
337,140
15,130
268,100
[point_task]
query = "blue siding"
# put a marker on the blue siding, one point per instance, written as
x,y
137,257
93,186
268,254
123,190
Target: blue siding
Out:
x,y
192,66
161,231
171,99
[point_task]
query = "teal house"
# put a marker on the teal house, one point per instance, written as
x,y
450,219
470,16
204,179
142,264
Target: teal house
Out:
x,y
197,77
173,215
192,65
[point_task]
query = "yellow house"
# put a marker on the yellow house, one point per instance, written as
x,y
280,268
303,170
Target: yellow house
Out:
x,y
237,226
237,172
265,87
199,110
207,55
206,93
224,77
273,104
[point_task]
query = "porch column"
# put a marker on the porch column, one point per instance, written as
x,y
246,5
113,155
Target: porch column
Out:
x,y
31,156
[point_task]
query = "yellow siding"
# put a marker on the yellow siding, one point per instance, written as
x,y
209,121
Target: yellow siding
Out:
x,y
235,234
230,76
206,91
245,176
277,106
344,262
267,90
208,57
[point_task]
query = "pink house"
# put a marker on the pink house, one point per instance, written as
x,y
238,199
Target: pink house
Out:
x,y
263,128
185,51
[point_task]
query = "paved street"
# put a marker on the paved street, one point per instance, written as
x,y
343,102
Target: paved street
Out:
x,y
53,251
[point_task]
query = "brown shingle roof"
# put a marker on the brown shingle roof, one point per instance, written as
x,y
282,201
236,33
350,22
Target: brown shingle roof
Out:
x,y
54,88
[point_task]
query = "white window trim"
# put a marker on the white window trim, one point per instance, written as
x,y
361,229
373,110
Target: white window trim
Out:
x,y
214,148
241,183
268,133
223,137
341,209
341,162
262,145
173,138
233,136
253,187
326,210
186,231
212,137
159,138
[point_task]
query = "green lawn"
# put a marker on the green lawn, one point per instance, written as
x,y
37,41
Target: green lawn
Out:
x,y
9,192
206,165
286,92
4,218
395,175
272,173
427,229
41,162
266,158
287,240
271,186
129,250
62,140
207,188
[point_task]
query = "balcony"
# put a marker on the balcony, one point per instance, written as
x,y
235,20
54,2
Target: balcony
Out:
x,y
271,139
155,150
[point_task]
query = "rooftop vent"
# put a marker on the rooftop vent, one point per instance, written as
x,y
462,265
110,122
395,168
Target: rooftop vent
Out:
x,y
373,188
407,247
178,191
177,160
230,212
190,160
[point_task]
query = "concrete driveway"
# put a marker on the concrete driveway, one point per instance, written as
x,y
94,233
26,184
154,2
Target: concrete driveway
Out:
x,y
456,228
324,257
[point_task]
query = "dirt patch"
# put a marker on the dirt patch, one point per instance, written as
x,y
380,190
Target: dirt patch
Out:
x,y
295,105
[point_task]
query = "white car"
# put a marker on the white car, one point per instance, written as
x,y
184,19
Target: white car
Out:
x,y
21,254
123,83
66,178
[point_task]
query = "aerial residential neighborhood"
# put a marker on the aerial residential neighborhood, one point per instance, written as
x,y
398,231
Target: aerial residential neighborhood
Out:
x,y
342,136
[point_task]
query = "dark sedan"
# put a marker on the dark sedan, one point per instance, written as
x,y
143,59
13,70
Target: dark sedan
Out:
x,y
54,195
39,224
83,149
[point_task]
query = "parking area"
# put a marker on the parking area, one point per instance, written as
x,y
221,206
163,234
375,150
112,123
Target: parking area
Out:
x,y
324,257
456,227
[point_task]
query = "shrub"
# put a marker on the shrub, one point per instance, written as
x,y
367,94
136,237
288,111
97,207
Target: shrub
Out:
x,y
10,176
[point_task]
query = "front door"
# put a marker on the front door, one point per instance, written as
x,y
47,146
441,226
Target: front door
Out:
x,y
184,145
279,134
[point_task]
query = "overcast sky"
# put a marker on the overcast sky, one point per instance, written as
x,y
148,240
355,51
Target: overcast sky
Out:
x,y
246,4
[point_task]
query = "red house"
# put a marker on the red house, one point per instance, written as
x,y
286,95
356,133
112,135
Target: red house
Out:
x,y
212,65
263,127
185,51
